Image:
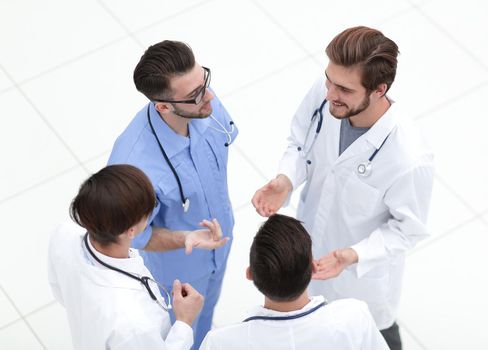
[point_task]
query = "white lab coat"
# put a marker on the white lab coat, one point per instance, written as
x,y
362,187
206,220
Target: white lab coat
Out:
x,y
380,216
107,310
342,325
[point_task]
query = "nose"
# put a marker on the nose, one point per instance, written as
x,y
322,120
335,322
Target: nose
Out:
x,y
209,95
331,94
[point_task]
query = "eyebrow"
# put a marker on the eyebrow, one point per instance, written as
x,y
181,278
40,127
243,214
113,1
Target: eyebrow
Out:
x,y
341,86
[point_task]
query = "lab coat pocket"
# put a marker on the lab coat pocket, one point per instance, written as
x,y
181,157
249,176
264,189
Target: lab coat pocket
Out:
x,y
372,287
359,198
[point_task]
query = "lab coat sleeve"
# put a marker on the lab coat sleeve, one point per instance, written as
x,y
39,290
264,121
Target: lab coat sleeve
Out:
x,y
207,343
180,337
408,201
292,164
371,337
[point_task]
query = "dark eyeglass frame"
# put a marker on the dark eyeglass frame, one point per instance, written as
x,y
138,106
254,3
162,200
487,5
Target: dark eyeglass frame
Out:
x,y
201,93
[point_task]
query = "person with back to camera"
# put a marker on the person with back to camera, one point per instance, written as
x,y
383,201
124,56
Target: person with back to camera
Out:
x,y
281,266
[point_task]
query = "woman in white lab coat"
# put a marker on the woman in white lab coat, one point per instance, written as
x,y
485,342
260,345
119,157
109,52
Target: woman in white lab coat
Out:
x,y
109,295
368,177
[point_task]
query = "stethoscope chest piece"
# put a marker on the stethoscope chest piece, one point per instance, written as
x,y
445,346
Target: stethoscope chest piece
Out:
x,y
364,169
186,205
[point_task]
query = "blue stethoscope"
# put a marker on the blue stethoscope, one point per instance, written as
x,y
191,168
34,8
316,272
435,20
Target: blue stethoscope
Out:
x,y
363,169
184,200
285,318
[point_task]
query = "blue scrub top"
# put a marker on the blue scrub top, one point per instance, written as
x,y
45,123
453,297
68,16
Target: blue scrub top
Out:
x,y
200,161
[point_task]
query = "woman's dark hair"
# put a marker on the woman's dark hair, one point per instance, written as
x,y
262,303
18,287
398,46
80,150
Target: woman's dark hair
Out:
x,y
111,201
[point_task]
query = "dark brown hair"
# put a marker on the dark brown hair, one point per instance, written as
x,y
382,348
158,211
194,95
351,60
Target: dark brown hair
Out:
x,y
159,64
368,49
281,258
111,201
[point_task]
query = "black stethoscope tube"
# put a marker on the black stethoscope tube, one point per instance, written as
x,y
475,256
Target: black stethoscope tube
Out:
x,y
184,200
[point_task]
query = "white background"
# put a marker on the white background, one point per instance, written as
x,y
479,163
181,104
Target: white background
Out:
x,y
66,92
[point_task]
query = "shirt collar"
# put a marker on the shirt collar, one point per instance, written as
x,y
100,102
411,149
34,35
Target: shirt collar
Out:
x,y
383,127
102,275
262,311
172,142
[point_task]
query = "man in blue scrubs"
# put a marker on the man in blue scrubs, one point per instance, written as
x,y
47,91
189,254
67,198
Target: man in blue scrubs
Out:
x,y
180,140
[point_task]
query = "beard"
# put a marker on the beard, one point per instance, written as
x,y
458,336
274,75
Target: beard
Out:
x,y
349,112
203,112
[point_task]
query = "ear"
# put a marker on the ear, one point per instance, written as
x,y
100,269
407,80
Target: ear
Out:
x,y
249,274
381,90
132,232
163,107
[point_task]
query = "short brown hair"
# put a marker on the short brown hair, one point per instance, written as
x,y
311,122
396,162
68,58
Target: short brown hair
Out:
x,y
281,258
159,64
368,49
112,201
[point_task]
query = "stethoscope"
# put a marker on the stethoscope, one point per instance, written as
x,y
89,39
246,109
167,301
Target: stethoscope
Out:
x,y
184,200
285,318
363,169
304,151
145,280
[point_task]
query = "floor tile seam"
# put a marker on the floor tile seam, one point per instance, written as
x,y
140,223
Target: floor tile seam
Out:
x,y
284,30
14,306
267,76
120,23
455,99
69,61
446,233
448,34
49,179
128,34
177,14
404,327
22,318
458,196
251,163
28,314
44,119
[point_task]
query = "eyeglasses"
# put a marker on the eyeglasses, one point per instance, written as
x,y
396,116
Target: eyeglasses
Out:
x,y
200,94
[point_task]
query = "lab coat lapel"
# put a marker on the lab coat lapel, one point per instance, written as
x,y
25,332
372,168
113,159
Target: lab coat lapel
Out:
x,y
370,141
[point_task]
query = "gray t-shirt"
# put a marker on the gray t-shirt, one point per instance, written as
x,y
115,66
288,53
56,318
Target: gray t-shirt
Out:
x,y
349,134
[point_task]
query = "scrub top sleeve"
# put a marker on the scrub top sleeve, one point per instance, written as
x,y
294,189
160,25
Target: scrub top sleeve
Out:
x,y
141,240
408,201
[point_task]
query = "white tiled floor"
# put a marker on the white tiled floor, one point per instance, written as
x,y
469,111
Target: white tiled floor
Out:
x,y
66,91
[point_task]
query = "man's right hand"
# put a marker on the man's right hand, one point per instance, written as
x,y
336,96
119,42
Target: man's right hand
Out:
x,y
271,197
187,302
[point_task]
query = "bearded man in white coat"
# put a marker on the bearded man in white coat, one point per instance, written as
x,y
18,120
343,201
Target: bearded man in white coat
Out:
x,y
368,177
111,298
281,267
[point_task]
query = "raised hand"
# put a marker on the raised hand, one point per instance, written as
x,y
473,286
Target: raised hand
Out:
x,y
332,264
209,238
271,197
